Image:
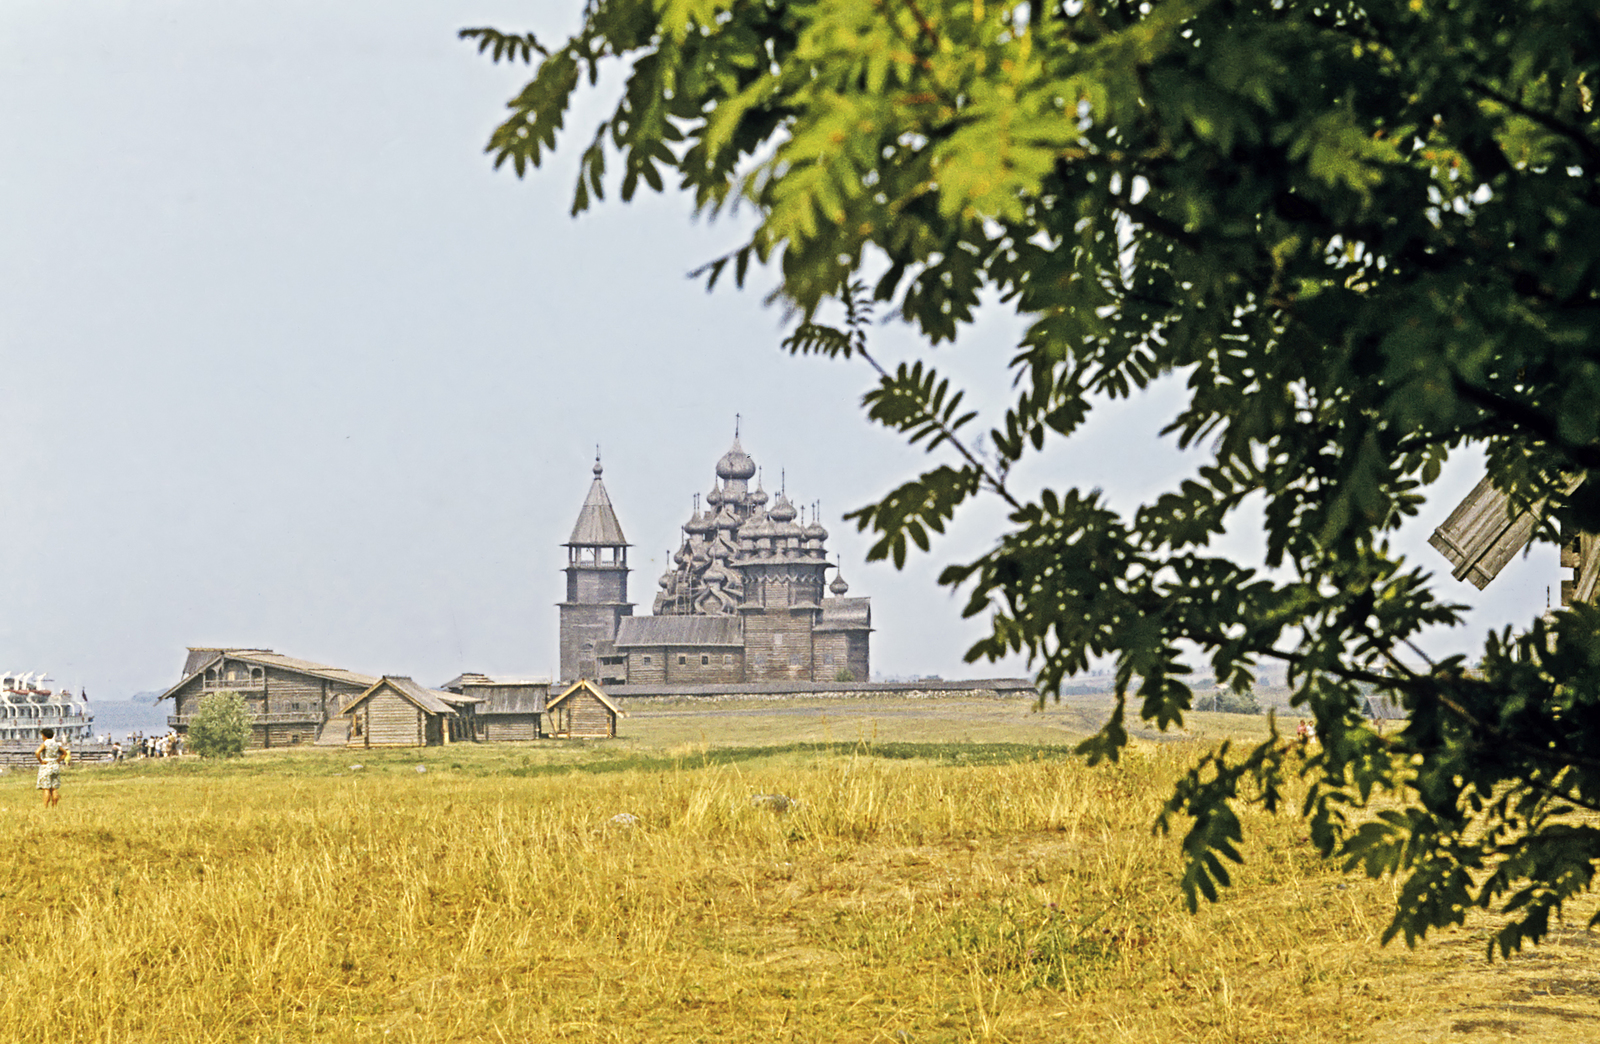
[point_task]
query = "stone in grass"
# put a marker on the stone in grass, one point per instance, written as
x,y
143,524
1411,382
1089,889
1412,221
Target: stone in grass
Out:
x,y
357,768
625,819
774,802
421,769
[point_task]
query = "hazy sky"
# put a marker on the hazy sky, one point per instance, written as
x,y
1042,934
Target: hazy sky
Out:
x,y
286,363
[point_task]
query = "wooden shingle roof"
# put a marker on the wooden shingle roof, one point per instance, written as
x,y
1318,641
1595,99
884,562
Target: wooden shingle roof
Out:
x,y
687,630
593,690
846,614
201,658
597,524
434,701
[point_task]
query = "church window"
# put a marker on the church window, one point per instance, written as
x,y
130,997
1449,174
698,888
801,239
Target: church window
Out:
x,y
645,660
704,660
682,659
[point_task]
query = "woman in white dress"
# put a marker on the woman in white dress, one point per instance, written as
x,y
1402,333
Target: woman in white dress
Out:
x,y
52,754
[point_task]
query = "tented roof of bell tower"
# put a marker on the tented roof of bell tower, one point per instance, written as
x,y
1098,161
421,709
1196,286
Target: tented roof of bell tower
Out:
x,y
597,524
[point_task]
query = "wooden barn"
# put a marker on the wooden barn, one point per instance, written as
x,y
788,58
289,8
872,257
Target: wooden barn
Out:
x,y
397,712
582,710
291,701
510,709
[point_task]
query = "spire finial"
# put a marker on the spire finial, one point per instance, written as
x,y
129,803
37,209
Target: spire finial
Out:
x,y
597,468
735,425
839,587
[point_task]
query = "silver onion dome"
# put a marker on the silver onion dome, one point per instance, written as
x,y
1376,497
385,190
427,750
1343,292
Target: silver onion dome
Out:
x,y
736,464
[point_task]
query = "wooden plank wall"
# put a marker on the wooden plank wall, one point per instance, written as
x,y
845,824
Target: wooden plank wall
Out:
x,y
860,664
587,716
393,720
777,646
833,655
285,689
725,666
510,728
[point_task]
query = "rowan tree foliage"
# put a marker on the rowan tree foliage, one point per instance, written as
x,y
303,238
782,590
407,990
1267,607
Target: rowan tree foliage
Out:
x,y
1366,234
220,726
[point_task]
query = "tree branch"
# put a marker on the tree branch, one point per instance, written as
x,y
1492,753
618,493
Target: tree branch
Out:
x,y
1586,145
1525,416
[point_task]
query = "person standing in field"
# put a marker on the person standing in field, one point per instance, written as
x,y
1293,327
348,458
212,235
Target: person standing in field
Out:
x,y
51,754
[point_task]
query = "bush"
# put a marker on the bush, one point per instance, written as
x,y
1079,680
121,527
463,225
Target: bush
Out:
x,y
844,675
220,727
1230,702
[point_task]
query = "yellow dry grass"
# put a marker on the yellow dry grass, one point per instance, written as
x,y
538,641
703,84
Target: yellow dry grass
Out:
x,y
288,898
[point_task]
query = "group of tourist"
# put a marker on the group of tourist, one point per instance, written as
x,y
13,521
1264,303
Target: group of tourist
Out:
x,y
53,754
141,746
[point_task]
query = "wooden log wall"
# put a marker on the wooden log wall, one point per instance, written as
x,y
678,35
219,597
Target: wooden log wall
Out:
x,y
393,720
583,715
685,665
510,728
778,646
832,652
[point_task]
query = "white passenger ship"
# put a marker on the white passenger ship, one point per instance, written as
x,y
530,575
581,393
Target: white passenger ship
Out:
x,y
28,704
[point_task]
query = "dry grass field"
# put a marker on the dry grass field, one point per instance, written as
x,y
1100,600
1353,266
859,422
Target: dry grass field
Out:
x,y
943,872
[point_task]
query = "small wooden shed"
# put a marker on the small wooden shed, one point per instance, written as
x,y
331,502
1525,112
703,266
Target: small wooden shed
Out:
x,y
397,712
582,710
510,708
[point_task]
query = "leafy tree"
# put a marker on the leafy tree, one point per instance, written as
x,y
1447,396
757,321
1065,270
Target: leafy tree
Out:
x,y
220,726
1230,701
1366,234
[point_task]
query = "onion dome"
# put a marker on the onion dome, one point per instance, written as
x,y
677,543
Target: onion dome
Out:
x,y
782,510
736,464
759,497
757,527
726,520
699,525
714,498
814,531
839,587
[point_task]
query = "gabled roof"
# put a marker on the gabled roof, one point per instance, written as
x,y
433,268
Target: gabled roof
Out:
x,y
1382,708
464,678
1486,531
433,701
201,658
594,690
501,695
689,630
597,524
